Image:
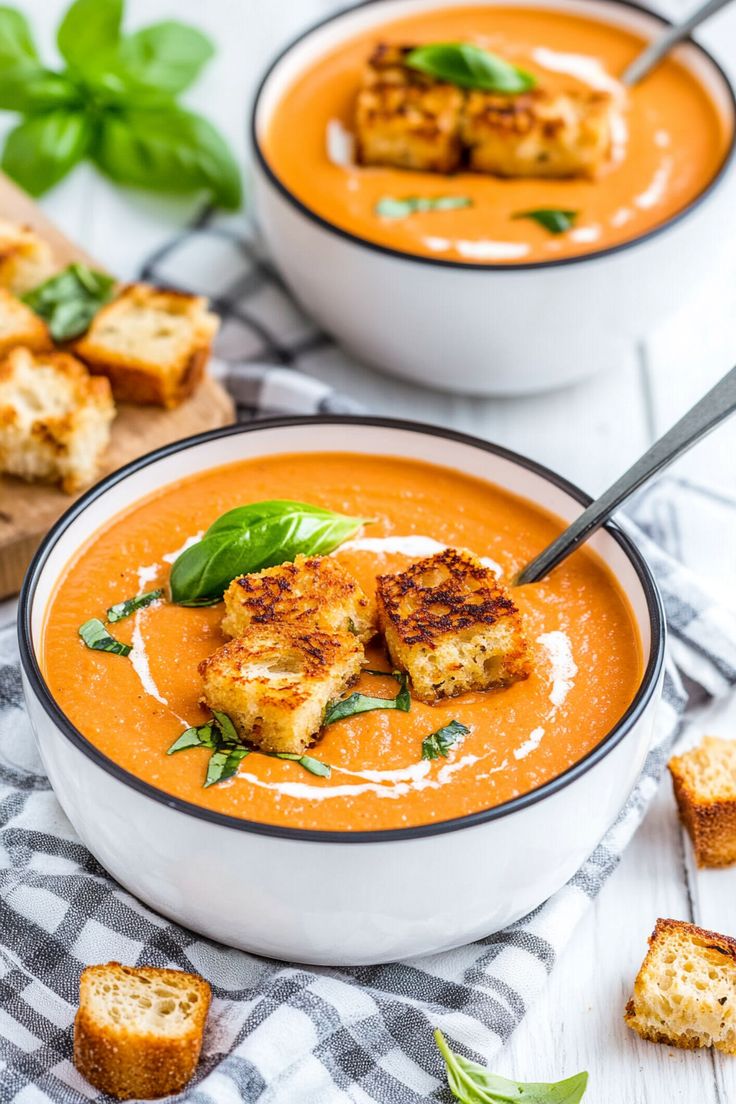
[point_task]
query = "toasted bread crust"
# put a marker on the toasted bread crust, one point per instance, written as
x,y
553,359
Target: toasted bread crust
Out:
x,y
19,325
26,260
702,779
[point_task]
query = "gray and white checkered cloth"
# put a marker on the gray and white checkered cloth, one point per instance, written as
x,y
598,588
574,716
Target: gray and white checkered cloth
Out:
x,y
280,1033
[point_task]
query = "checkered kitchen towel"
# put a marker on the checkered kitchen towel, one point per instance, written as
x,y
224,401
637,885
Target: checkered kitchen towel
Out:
x,y
280,1033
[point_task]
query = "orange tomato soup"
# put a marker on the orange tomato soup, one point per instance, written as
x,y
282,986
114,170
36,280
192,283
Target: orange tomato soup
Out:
x,y
674,141
586,652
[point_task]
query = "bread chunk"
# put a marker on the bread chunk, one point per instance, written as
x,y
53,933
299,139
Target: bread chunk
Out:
x,y
405,118
152,345
276,681
25,259
685,991
138,1031
54,418
452,626
704,780
314,591
19,325
538,133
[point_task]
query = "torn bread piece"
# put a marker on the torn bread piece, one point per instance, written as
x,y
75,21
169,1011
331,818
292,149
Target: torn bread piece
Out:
x,y
452,626
54,418
153,345
26,260
19,325
138,1031
704,781
276,681
685,991
314,591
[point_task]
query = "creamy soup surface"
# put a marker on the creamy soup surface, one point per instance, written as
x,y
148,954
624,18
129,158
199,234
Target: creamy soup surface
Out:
x,y
586,652
673,141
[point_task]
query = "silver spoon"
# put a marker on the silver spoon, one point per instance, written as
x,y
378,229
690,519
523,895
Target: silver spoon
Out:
x,y
699,420
663,43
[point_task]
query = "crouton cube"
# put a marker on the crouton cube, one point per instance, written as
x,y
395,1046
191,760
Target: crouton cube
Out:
x,y
138,1030
276,681
452,626
685,991
538,133
19,325
152,345
704,781
25,259
54,418
405,118
314,591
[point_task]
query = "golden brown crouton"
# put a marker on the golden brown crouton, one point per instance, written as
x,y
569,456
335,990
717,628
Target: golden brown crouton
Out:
x,y
152,345
314,591
405,118
276,681
452,626
25,259
54,418
138,1031
704,780
19,325
685,991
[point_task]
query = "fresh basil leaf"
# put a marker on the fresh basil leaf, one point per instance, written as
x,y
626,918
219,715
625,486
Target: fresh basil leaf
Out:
x,y
227,731
31,89
42,149
363,703
224,764
167,56
439,742
95,636
469,66
130,605
472,1083
69,300
196,736
89,33
168,149
553,219
16,40
250,538
314,766
392,208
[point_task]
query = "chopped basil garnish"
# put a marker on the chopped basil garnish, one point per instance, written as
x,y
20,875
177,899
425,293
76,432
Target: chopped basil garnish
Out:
x,y
362,703
392,208
95,636
553,219
469,66
124,609
439,742
197,736
314,766
70,300
224,764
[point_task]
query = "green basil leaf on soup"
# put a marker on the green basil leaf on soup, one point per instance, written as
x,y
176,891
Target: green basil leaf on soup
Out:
x,y
124,609
69,301
364,703
392,208
469,66
95,636
439,742
224,764
227,731
553,219
196,736
314,766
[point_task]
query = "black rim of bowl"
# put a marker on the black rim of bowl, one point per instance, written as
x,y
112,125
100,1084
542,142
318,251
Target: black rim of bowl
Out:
x,y
469,266
39,688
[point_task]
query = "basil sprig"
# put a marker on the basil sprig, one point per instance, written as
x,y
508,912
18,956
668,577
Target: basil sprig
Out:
x,y
363,703
439,742
250,538
113,103
95,636
469,66
124,609
392,208
471,1083
70,300
554,219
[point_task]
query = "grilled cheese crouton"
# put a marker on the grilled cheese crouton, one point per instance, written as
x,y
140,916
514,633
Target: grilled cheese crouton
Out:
x,y
276,681
138,1031
452,626
25,259
685,991
704,781
54,418
312,591
19,325
152,345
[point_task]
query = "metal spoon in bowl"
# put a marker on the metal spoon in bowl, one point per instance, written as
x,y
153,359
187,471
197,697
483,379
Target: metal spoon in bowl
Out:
x,y
662,44
718,404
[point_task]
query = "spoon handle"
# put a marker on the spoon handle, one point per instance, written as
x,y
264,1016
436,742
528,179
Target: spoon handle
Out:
x,y
663,43
719,402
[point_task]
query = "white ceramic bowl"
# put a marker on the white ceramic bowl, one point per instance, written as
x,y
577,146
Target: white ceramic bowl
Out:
x,y
488,328
335,897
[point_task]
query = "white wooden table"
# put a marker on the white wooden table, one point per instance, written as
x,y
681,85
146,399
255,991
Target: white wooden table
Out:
x,y
589,434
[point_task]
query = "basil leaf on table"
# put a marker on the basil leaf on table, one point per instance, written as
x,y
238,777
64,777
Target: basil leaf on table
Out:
x,y
439,742
70,300
554,219
42,149
469,66
472,1083
167,56
95,636
363,703
131,605
16,41
390,207
89,33
31,89
250,538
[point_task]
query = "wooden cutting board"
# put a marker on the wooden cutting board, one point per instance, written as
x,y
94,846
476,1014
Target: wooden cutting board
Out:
x,y
27,510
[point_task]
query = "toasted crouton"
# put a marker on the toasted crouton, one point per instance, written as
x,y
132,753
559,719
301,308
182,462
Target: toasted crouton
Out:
x,y
313,591
685,991
704,780
276,681
138,1031
452,626
25,259
152,345
405,118
19,325
54,418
